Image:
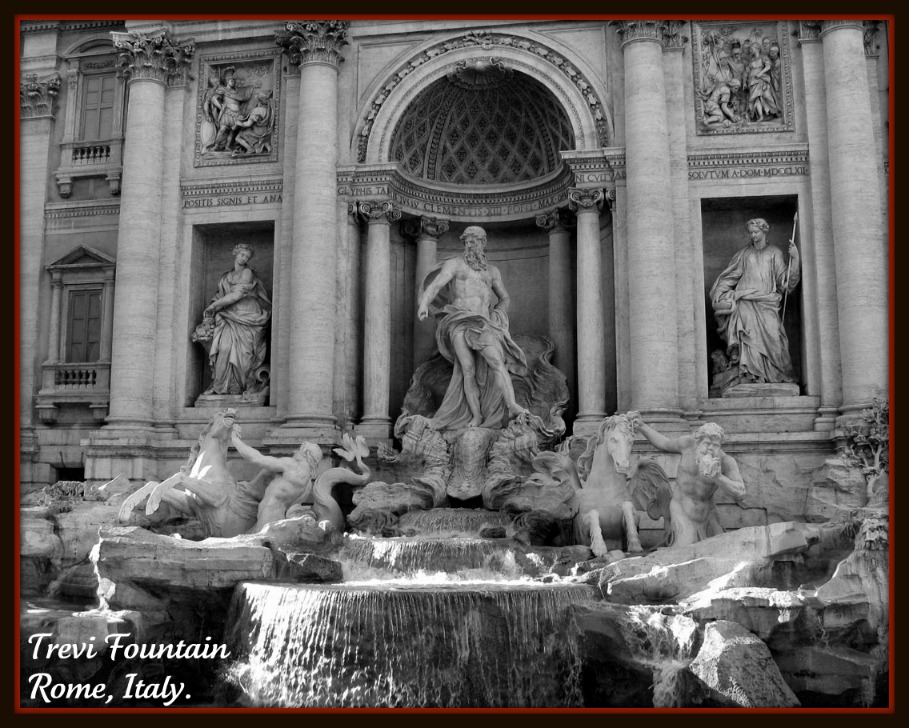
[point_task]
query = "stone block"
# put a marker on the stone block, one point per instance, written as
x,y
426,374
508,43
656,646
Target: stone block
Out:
x,y
738,671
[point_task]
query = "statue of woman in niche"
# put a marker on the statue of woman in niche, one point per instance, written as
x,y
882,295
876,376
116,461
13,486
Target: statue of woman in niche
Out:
x,y
236,319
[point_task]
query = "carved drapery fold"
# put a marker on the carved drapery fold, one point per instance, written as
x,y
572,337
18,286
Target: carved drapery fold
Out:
x,y
313,41
39,98
154,56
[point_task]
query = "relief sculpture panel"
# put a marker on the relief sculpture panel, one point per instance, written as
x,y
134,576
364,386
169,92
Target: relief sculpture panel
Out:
x,y
237,115
742,77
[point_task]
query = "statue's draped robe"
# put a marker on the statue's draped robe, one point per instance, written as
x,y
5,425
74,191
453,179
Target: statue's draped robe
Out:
x,y
758,278
238,345
479,332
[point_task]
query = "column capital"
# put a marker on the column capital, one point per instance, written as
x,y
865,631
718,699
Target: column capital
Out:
x,y
424,226
378,211
38,98
829,25
665,32
313,41
582,200
809,31
870,29
154,56
554,220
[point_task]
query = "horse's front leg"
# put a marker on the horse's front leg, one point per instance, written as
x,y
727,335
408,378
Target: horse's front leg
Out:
x,y
631,529
597,544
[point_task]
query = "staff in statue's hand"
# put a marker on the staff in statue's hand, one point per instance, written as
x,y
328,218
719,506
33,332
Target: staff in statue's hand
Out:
x,y
793,253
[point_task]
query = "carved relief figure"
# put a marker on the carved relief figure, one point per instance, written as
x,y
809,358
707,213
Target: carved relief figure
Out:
x,y
718,103
703,471
746,300
235,324
473,335
761,99
238,115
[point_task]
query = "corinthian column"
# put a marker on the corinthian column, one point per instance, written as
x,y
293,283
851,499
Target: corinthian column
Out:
x,y
859,241
426,232
561,310
150,61
376,421
586,204
316,47
651,252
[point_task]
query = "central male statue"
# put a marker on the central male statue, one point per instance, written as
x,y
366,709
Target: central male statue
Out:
x,y
473,335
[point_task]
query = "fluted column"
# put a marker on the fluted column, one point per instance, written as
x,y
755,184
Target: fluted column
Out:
x,y
426,232
316,47
149,61
860,243
651,251
376,420
561,308
586,204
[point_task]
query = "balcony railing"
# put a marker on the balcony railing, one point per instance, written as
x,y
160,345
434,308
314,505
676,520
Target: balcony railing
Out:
x,y
74,384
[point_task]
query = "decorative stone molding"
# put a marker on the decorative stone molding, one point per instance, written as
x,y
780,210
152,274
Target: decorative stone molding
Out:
x,y
485,41
423,225
665,32
313,41
378,211
721,165
462,204
39,98
579,200
154,56
736,91
202,195
870,29
590,168
828,25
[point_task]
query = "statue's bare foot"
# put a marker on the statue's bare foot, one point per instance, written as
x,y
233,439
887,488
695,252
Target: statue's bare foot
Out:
x,y
474,422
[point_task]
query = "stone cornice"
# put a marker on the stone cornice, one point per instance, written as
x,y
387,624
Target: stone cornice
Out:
x,y
56,211
154,56
665,32
43,26
212,188
38,98
412,195
313,41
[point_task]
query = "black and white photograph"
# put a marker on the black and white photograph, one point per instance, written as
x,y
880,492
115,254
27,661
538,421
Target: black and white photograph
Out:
x,y
417,362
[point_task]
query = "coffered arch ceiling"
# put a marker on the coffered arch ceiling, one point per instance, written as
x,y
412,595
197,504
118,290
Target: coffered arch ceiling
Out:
x,y
482,124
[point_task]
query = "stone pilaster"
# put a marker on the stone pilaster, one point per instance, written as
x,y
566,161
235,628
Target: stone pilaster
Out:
x,y
316,47
561,308
425,232
586,204
376,421
38,98
860,242
823,256
149,60
651,250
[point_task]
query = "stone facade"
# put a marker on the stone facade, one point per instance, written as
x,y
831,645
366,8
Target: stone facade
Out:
x,y
610,199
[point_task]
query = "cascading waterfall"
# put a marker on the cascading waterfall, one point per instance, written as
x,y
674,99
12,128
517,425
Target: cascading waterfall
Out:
x,y
450,521
505,644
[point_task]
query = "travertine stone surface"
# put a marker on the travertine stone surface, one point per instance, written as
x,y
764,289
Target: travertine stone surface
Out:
x,y
136,295
561,310
651,252
591,351
859,242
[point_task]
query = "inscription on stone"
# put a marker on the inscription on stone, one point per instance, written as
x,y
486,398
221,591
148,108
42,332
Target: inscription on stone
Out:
x,y
702,174
231,200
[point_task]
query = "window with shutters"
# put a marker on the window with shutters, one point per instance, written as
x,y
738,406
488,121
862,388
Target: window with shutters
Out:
x,y
83,337
98,97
